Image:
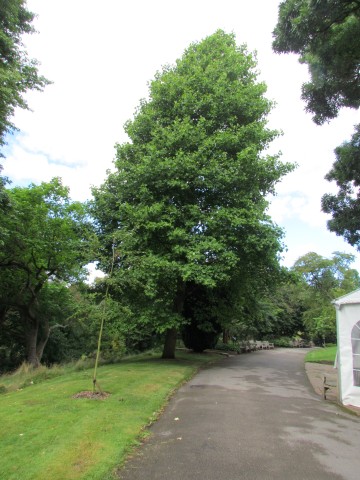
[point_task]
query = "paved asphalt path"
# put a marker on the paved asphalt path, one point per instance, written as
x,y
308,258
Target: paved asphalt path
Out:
x,y
253,417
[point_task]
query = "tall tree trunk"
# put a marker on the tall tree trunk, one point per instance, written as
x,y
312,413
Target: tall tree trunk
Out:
x,y
226,336
41,343
170,343
31,334
171,333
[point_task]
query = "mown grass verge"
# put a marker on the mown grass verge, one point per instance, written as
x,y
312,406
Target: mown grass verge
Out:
x,y
322,355
47,434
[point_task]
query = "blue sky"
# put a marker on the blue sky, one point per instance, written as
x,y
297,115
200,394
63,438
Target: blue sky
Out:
x,y
100,57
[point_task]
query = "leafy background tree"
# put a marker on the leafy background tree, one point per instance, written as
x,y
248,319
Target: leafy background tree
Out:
x,y
46,239
326,35
187,203
288,308
321,281
69,320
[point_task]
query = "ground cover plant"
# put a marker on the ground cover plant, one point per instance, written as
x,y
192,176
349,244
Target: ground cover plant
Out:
x,y
46,433
322,355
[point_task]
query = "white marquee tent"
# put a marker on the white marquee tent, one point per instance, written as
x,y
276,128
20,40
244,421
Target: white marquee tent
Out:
x,y
348,357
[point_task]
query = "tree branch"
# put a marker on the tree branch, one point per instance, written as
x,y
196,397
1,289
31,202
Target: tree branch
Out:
x,y
57,325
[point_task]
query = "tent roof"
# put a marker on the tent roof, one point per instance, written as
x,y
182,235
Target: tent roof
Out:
x,y
352,297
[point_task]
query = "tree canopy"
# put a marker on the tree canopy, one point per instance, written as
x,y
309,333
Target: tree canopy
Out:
x,y
325,279
46,238
187,202
326,35
344,206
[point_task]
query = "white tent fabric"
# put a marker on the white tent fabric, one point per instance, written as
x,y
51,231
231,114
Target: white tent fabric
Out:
x,y
348,336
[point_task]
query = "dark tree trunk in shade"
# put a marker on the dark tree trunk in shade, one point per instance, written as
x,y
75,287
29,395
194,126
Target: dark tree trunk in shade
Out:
x,y
170,344
31,334
171,334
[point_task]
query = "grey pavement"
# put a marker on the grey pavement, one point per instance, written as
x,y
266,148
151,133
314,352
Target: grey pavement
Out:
x,y
252,416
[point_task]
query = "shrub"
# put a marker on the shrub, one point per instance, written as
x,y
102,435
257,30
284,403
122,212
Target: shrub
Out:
x,y
282,342
228,347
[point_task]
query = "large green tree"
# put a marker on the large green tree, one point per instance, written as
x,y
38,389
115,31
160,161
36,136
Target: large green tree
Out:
x,y
187,202
326,35
45,238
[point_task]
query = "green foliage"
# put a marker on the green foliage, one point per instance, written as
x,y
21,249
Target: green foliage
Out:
x,y
73,327
261,310
288,309
18,73
47,239
4,198
228,347
326,35
283,342
187,203
324,280
344,206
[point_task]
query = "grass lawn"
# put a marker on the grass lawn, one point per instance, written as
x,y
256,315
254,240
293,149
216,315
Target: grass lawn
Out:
x,y
47,434
322,355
